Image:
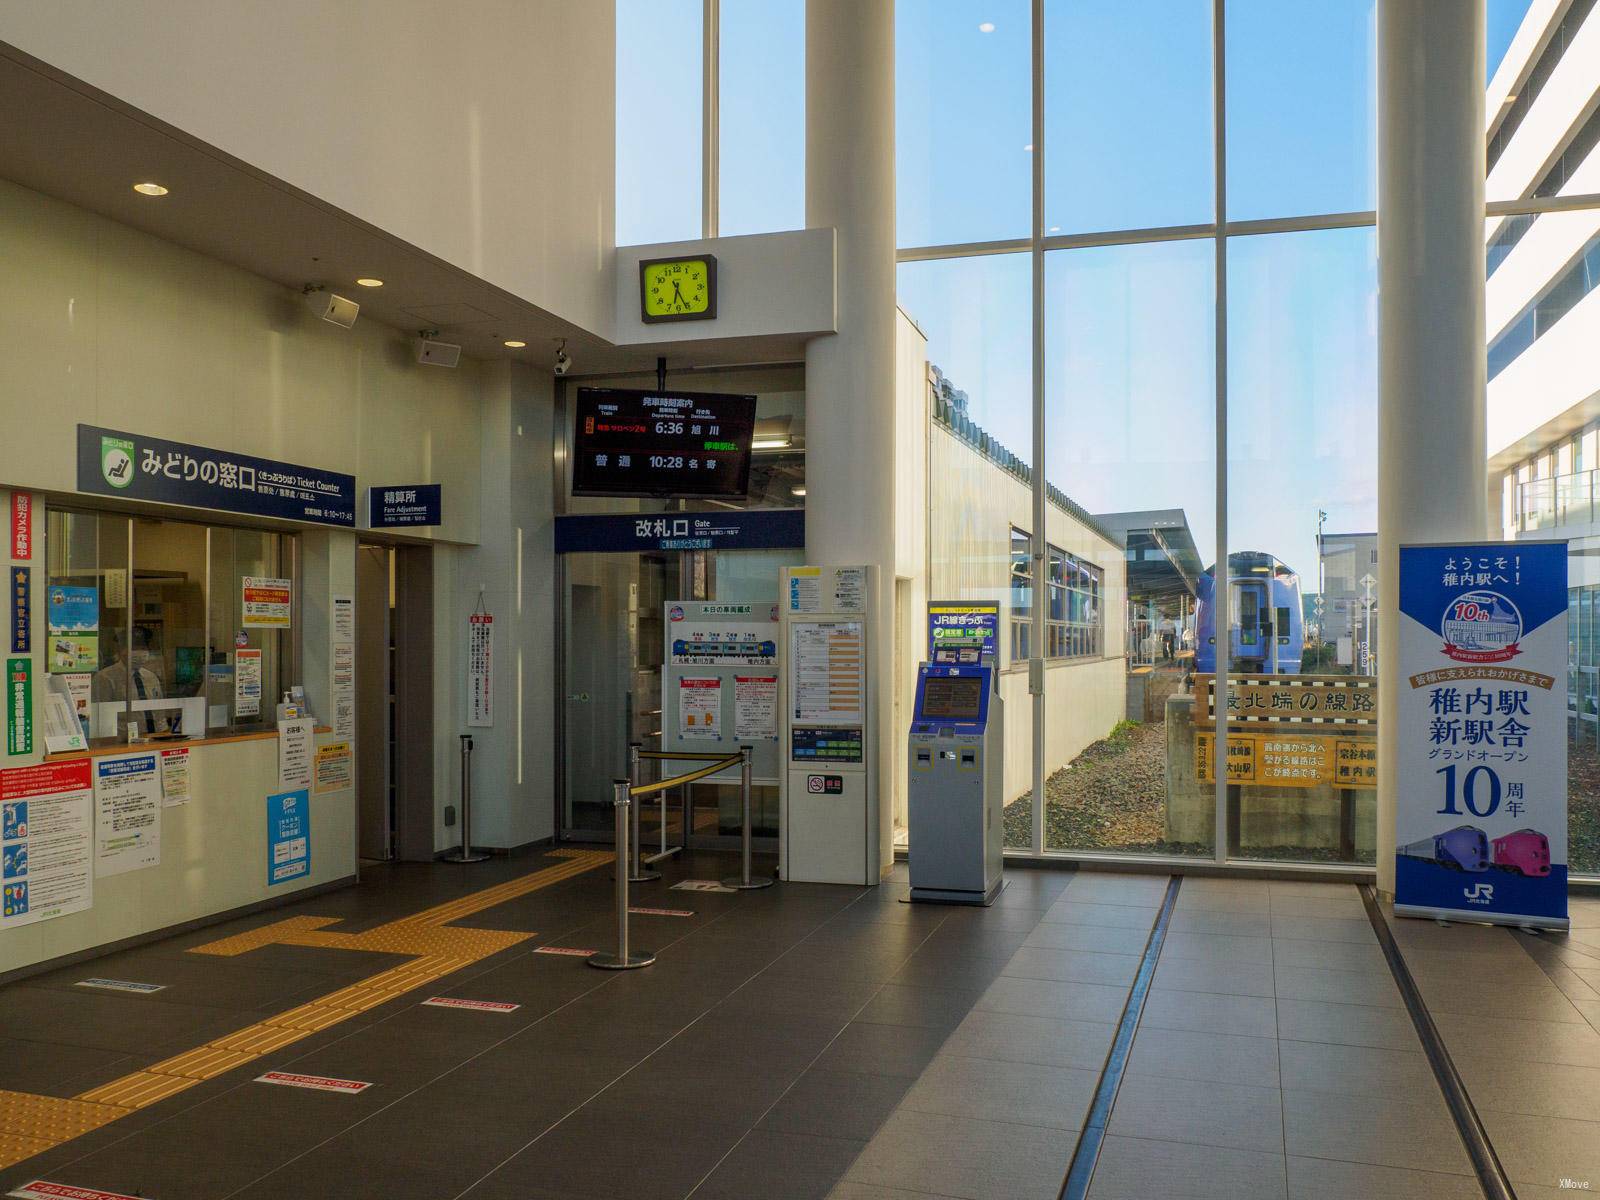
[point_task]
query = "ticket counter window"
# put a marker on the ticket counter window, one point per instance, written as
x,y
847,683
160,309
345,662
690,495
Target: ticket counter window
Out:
x,y
145,626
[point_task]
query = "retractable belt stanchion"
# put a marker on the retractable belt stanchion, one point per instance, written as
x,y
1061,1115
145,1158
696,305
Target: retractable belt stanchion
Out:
x,y
636,869
743,882
465,854
624,959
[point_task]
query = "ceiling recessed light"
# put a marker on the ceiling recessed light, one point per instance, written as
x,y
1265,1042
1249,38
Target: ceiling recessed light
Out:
x,y
369,281
797,491
150,189
515,345
986,27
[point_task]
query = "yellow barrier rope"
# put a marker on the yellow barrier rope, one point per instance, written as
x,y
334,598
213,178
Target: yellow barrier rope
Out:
x,y
679,755
644,789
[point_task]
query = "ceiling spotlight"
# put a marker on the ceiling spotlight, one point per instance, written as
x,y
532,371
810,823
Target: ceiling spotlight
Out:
x,y
986,27
369,281
336,310
150,189
513,344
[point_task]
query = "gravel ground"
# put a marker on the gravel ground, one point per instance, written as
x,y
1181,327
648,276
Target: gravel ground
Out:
x,y
1110,798
1583,810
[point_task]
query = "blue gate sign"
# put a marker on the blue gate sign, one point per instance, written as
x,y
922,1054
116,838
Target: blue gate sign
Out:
x,y
1481,809
288,836
730,529
135,467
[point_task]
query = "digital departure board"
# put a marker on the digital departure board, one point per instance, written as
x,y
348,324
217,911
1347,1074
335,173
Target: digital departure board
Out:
x,y
956,698
639,443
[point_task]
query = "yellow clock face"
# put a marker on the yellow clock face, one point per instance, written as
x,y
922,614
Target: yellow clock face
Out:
x,y
679,289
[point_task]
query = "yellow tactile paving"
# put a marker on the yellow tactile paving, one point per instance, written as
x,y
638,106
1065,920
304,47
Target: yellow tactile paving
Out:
x,y
32,1124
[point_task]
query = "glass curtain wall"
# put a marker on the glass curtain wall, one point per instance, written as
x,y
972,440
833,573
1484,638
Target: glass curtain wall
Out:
x,y
1206,245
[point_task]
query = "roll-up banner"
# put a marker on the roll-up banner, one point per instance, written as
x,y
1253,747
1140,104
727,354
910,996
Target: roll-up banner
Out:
x,y
1481,810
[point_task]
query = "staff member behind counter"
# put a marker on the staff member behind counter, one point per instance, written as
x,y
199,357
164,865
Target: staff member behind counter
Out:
x,y
111,683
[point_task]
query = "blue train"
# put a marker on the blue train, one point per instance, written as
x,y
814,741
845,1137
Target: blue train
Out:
x,y
1464,848
1263,595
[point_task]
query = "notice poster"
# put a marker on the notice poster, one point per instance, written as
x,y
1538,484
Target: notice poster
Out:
x,y
335,768
344,619
288,836
700,708
828,659
127,814
294,753
344,690
266,602
174,777
73,617
247,683
46,841
480,670
1481,821
755,706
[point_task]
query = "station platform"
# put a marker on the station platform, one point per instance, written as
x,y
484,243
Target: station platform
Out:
x,y
1108,1034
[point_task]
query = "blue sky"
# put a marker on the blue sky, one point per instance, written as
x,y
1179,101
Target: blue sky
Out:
x,y
1129,361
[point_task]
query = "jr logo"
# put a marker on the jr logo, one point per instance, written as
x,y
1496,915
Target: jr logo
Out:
x,y
1479,893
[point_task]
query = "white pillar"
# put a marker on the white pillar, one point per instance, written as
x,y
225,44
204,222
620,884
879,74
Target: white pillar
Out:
x,y
850,384
1432,373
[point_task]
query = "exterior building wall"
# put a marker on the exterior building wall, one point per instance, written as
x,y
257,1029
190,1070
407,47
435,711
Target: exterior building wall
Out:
x,y
973,506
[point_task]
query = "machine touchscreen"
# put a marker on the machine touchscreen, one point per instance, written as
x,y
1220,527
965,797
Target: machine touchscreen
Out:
x,y
953,698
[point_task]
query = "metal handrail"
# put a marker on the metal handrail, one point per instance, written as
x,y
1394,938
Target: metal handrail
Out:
x,y
661,785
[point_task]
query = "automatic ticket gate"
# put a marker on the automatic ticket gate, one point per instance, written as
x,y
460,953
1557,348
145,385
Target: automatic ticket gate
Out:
x,y
956,756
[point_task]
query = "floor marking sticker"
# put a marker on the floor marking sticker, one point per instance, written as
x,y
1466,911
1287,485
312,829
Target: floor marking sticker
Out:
x,y
121,985
40,1190
702,885
663,912
316,1083
499,1006
572,950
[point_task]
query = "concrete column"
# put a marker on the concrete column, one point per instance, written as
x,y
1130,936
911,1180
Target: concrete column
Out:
x,y
1432,388
850,375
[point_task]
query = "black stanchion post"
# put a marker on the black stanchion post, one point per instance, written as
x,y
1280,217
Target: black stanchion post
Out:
x,y
624,959
743,882
636,869
465,854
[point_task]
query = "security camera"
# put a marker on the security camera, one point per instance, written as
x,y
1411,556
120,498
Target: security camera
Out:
x,y
563,359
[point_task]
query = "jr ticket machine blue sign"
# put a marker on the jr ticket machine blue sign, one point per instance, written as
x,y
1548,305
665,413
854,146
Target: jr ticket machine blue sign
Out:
x,y
956,760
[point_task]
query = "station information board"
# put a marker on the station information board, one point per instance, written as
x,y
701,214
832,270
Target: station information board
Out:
x,y
656,443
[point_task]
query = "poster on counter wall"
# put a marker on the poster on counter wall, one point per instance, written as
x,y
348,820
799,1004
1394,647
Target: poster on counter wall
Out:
x,y
19,706
46,841
21,525
480,669
1481,822
700,708
344,690
72,615
294,753
335,767
174,777
288,836
266,602
22,610
247,683
127,814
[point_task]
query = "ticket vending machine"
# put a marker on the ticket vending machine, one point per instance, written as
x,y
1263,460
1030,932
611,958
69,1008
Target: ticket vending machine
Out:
x,y
956,755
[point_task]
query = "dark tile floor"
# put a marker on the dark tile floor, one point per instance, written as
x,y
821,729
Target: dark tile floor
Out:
x,y
810,1041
